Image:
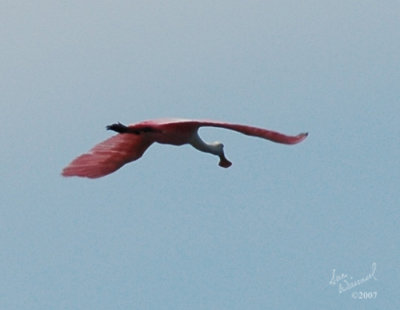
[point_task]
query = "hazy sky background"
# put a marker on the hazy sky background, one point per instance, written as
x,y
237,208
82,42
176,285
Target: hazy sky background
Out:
x,y
173,230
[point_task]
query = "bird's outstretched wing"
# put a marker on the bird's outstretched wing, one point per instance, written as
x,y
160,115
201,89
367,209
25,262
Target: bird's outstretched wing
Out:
x,y
108,156
256,132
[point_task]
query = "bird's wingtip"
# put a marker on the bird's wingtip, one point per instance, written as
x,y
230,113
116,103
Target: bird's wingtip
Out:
x,y
117,127
302,136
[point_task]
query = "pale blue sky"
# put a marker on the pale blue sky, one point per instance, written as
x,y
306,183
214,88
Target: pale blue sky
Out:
x,y
173,230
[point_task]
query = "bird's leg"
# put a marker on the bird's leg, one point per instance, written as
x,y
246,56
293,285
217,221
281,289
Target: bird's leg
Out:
x,y
223,162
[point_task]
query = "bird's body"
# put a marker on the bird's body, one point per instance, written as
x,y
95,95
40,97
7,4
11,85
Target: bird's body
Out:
x,y
132,141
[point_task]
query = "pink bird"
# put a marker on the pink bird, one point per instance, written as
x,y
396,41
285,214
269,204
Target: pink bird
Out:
x,y
132,141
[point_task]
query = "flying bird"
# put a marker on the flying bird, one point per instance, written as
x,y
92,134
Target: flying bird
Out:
x,y
132,141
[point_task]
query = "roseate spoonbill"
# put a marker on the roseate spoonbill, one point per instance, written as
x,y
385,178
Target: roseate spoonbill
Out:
x,y
132,141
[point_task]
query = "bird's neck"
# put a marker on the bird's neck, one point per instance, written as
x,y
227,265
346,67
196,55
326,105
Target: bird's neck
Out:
x,y
200,145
